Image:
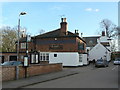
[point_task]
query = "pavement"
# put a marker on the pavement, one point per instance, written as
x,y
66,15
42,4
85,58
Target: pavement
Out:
x,y
21,83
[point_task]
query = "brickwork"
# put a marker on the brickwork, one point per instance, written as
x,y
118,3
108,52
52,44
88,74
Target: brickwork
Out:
x,y
8,54
0,73
69,44
42,69
21,72
9,72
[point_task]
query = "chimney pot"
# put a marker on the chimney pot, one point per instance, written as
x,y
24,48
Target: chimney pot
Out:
x,y
76,32
64,19
103,33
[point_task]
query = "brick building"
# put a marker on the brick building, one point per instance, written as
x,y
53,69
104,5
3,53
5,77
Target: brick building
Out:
x,y
59,40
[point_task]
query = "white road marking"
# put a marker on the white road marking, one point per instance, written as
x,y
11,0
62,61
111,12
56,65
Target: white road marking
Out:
x,y
115,67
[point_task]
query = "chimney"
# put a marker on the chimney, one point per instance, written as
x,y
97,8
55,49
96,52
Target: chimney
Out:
x,y
23,34
103,33
76,32
63,26
81,35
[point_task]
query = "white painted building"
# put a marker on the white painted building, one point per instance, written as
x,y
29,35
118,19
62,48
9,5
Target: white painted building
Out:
x,y
67,58
105,41
101,49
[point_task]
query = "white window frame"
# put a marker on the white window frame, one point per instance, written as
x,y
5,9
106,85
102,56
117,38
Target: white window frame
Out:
x,y
23,45
44,56
34,59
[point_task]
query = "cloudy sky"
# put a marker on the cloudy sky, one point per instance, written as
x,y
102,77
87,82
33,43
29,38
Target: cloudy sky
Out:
x,y
84,16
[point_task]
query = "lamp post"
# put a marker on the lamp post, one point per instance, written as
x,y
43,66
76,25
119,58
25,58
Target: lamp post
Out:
x,y
18,44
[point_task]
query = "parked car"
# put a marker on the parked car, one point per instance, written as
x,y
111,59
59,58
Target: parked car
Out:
x,y
12,63
117,61
101,62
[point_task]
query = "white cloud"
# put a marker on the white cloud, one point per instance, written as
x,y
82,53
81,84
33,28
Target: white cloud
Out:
x,y
92,10
88,9
97,10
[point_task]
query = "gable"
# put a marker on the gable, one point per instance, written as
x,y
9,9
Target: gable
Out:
x,y
99,48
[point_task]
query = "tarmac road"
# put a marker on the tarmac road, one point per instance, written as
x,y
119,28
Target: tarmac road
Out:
x,y
88,77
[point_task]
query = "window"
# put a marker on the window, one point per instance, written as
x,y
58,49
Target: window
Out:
x,y
47,57
12,58
23,45
44,56
34,58
41,57
55,55
80,58
81,46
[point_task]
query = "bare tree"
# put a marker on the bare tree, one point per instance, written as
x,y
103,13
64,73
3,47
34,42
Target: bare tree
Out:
x,y
113,46
108,27
41,31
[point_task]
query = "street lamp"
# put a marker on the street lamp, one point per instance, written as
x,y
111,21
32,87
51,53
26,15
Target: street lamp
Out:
x,y
22,13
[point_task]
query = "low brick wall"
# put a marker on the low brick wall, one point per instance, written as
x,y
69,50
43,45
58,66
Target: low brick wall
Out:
x,y
43,69
9,72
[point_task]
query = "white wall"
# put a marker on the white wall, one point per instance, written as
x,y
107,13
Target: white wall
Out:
x,y
68,59
84,59
97,52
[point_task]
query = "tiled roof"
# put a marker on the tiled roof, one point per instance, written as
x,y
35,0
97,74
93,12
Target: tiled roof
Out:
x,y
56,34
53,33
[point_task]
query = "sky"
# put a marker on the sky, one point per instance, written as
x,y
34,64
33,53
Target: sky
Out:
x,y
84,16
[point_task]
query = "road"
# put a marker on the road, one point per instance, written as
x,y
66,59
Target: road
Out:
x,y
88,77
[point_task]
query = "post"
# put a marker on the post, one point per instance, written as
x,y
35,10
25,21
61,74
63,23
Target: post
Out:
x,y
18,43
26,58
17,72
18,46
25,65
26,46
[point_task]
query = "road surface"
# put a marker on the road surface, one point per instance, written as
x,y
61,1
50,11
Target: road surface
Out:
x,y
88,77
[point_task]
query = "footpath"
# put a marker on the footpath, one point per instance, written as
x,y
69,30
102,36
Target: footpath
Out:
x,y
21,83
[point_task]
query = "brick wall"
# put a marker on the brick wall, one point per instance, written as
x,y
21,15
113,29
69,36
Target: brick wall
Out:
x,y
42,69
7,55
9,72
0,73
69,44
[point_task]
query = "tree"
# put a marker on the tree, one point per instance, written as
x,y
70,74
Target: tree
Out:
x,y
109,28
8,37
41,31
113,46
